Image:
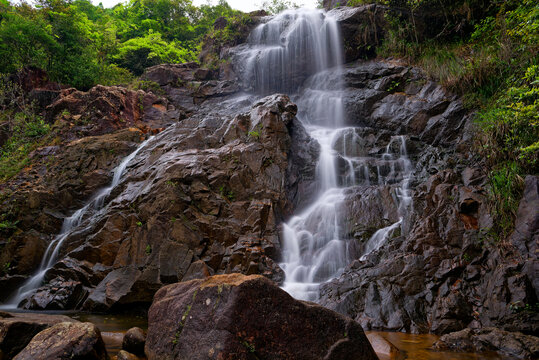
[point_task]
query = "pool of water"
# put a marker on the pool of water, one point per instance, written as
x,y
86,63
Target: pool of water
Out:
x,y
410,346
112,327
419,347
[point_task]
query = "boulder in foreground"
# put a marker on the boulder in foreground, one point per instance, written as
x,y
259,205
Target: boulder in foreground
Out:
x,y
66,340
247,317
18,329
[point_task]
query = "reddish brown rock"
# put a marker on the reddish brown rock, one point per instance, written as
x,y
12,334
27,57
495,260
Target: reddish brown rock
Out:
x,y
243,317
104,109
18,329
134,341
66,341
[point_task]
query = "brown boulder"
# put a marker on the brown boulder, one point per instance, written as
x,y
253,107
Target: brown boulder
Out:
x,y
246,317
66,340
18,329
134,341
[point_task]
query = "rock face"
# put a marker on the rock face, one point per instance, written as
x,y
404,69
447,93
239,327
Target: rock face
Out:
x,y
513,344
206,196
439,275
211,189
104,109
66,341
247,317
18,329
363,29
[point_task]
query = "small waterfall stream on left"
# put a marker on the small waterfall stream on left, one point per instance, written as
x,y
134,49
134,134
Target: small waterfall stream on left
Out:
x,y
95,204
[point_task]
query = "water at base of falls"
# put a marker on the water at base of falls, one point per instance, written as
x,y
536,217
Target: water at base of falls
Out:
x,y
300,52
69,225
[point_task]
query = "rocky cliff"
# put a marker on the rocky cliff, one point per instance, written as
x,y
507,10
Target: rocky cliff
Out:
x,y
207,193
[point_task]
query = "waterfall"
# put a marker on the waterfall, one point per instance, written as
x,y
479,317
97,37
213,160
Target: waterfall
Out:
x,y
70,224
299,52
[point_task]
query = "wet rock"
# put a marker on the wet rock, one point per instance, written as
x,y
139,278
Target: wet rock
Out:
x,y
134,341
215,89
171,74
197,270
104,109
249,316
58,295
513,344
18,329
124,355
526,235
123,286
214,209
66,340
382,347
361,27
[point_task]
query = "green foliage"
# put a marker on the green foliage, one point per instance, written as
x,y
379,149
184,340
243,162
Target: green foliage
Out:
x,y
6,267
496,68
277,6
254,134
7,225
142,52
229,194
25,128
80,44
148,249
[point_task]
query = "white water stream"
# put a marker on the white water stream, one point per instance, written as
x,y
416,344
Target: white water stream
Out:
x,y
282,53
70,224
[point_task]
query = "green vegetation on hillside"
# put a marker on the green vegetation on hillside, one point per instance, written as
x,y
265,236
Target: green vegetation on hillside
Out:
x,y
80,44
487,52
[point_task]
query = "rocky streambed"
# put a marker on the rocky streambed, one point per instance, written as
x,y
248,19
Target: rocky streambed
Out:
x,y
181,326
222,168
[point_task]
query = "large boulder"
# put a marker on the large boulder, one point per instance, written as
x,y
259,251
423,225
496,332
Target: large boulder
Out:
x,y
247,317
18,329
66,341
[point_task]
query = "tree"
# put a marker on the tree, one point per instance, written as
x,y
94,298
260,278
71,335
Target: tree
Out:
x,y
276,6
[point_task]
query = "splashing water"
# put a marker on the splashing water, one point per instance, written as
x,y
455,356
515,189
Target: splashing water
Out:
x,y
300,52
69,225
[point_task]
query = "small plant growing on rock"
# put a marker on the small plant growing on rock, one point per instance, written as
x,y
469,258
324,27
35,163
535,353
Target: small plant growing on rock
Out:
x,y
6,267
139,223
148,249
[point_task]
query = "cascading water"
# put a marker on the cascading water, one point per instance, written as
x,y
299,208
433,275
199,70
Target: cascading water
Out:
x,y
69,225
300,52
